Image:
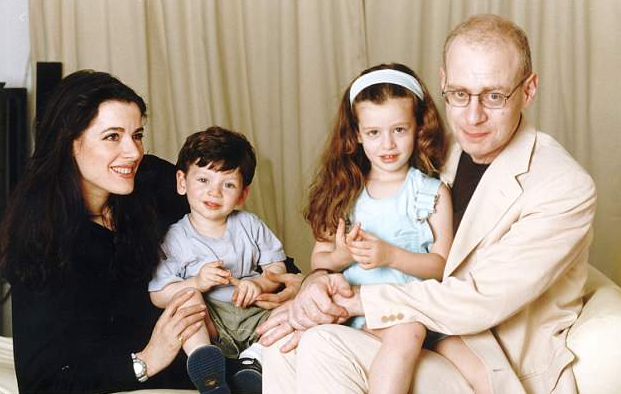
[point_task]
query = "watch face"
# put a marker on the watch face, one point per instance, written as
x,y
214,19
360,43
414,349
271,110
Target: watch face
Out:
x,y
138,368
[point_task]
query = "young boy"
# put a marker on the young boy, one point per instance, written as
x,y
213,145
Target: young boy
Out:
x,y
218,250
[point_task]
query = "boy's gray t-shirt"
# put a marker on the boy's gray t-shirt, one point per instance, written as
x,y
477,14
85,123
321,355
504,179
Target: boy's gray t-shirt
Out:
x,y
246,244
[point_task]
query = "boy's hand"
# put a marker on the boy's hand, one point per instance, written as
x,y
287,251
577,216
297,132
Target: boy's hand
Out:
x,y
370,251
212,275
246,292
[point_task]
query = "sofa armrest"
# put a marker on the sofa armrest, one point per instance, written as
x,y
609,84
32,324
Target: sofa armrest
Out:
x,y
8,381
594,338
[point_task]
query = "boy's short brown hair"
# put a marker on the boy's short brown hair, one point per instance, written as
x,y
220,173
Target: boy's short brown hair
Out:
x,y
221,149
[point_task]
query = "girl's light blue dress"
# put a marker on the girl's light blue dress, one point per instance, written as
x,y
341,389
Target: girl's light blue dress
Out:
x,y
400,220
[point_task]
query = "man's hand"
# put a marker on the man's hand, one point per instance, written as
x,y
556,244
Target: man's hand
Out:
x,y
292,283
211,275
246,292
313,305
277,326
370,251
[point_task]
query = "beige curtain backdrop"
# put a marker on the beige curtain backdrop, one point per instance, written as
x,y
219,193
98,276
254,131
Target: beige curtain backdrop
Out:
x,y
275,70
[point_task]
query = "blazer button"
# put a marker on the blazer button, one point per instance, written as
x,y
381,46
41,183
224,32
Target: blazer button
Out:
x,y
385,319
392,318
400,316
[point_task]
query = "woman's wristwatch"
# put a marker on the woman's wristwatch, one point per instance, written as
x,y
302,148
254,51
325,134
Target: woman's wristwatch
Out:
x,y
140,369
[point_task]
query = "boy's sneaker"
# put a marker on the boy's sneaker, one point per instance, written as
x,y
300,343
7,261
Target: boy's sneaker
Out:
x,y
207,371
245,376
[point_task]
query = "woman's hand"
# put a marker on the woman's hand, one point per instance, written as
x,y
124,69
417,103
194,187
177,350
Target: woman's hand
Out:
x,y
174,326
370,251
292,283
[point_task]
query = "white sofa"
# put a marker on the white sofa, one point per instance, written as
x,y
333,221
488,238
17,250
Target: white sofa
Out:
x,y
595,339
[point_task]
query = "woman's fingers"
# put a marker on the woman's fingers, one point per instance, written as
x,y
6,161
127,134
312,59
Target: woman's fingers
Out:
x,y
266,304
189,315
188,331
178,299
272,297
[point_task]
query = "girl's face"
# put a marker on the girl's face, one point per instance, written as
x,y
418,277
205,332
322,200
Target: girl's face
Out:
x,y
109,151
386,132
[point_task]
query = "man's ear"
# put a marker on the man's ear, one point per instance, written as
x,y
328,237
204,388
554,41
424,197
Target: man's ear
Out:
x,y
244,196
181,183
530,88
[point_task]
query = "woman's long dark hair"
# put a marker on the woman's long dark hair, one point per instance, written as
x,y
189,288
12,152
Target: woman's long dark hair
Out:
x,y
47,209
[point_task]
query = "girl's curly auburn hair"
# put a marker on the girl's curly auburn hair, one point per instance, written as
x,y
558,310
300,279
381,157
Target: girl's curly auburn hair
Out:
x,y
344,166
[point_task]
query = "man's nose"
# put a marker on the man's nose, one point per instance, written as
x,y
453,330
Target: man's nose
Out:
x,y
475,112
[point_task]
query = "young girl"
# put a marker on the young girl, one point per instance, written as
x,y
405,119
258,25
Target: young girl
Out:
x,y
378,174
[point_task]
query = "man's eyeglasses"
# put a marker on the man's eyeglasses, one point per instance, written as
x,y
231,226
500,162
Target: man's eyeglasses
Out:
x,y
490,100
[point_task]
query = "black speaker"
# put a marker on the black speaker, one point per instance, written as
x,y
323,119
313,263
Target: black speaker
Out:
x,y
13,138
49,75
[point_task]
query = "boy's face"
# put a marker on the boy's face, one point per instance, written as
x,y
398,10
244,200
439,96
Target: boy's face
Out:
x,y
212,195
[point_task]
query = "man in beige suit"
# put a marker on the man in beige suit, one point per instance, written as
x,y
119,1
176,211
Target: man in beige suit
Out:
x,y
513,280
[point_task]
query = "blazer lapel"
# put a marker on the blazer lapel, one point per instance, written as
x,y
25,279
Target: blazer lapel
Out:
x,y
496,192
450,167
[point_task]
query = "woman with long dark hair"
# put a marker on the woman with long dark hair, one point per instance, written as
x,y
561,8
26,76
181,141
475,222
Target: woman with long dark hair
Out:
x,y
78,245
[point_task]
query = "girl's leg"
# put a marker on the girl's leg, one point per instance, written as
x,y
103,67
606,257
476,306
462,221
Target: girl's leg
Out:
x,y
470,366
337,359
393,366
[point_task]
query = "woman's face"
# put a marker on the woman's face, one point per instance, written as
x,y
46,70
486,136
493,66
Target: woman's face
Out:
x,y
109,151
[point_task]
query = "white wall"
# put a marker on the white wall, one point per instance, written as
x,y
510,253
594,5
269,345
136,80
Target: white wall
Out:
x,y
14,43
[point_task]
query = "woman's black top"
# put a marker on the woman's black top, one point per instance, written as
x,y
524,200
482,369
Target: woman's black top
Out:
x,y
77,333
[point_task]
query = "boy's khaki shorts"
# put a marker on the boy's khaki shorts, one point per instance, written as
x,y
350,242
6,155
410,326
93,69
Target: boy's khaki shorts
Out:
x,y
235,325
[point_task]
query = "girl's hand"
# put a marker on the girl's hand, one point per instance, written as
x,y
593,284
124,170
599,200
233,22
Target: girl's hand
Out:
x,y
370,251
246,292
342,240
211,275
292,284
175,325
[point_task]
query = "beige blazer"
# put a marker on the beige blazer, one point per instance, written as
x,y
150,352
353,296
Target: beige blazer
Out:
x,y
514,277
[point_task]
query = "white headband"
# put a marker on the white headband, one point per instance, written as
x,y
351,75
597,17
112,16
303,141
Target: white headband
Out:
x,y
385,76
